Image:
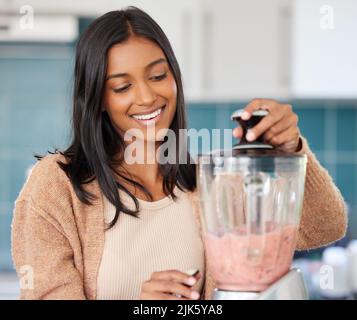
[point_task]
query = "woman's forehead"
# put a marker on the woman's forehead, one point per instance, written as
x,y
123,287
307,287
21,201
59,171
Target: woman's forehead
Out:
x,y
132,54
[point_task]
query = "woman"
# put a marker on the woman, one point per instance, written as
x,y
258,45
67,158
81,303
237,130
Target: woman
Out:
x,y
90,225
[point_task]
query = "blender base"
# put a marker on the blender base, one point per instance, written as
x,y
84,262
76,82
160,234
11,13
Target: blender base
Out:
x,y
289,287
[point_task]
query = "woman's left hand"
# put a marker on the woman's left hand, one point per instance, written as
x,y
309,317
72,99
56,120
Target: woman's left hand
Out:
x,y
279,127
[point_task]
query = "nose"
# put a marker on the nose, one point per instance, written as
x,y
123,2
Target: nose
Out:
x,y
145,95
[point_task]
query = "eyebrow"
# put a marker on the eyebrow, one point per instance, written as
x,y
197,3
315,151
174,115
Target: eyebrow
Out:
x,y
151,64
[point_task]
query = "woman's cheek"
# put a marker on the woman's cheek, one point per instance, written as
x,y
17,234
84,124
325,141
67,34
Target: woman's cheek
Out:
x,y
173,86
120,104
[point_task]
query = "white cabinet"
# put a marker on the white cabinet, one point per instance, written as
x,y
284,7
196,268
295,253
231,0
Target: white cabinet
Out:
x,y
247,49
324,49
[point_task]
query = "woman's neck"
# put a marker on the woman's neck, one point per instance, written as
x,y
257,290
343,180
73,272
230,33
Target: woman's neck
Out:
x,y
144,171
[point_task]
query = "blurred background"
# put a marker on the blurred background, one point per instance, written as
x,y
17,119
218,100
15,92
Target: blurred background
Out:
x,y
230,51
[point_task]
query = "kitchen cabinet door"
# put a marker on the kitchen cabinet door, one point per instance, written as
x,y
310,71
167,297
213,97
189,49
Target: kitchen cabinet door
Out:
x,y
324,49
246,52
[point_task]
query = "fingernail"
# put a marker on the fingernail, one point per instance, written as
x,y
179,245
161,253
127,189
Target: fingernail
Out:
x,y
191,281
235,132
195,295
250,135
245,115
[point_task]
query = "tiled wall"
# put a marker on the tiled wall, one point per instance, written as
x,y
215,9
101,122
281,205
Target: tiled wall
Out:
x,y
35,104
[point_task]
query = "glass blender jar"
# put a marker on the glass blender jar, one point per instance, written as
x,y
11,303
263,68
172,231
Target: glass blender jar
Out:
x,y
251,200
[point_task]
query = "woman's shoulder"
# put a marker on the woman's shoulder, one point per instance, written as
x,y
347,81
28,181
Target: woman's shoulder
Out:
x,y
50,163
45,177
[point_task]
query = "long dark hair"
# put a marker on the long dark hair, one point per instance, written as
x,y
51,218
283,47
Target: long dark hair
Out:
x,y
95,141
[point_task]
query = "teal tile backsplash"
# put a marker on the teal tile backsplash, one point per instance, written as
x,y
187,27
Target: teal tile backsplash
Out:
x,y
347,130
312,125
346,177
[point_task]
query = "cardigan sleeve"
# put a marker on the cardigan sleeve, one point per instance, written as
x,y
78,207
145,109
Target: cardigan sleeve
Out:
x,y
324,214
43,256
46,249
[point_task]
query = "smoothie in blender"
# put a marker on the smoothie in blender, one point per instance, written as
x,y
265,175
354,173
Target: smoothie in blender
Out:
x,y
241,262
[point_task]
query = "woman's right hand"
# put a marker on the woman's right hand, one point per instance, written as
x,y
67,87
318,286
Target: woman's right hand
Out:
x,y
170,285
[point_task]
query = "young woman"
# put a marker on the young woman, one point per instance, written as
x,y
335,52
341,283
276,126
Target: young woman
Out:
x,y
90,225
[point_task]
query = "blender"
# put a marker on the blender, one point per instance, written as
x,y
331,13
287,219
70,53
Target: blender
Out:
x,y
251,199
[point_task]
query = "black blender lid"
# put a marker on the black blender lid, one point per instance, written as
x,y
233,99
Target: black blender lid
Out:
x,y
258,147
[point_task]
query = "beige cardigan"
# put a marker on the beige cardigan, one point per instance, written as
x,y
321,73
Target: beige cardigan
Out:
x,y
60,240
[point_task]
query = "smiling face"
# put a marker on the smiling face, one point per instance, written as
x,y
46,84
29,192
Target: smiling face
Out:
x,y
140,90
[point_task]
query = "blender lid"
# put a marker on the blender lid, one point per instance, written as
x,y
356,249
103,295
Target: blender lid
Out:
x,y
257,148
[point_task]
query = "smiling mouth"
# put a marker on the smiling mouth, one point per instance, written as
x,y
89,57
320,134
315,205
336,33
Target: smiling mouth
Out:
x,y
149,117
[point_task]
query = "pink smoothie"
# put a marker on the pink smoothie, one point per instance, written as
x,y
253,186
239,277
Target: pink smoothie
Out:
x,y
250,263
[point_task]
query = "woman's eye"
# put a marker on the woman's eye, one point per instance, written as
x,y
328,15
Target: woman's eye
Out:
x,y
155,78
122,89
159,77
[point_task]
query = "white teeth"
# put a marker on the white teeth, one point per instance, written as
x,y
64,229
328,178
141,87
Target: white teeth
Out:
x,y
147,116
